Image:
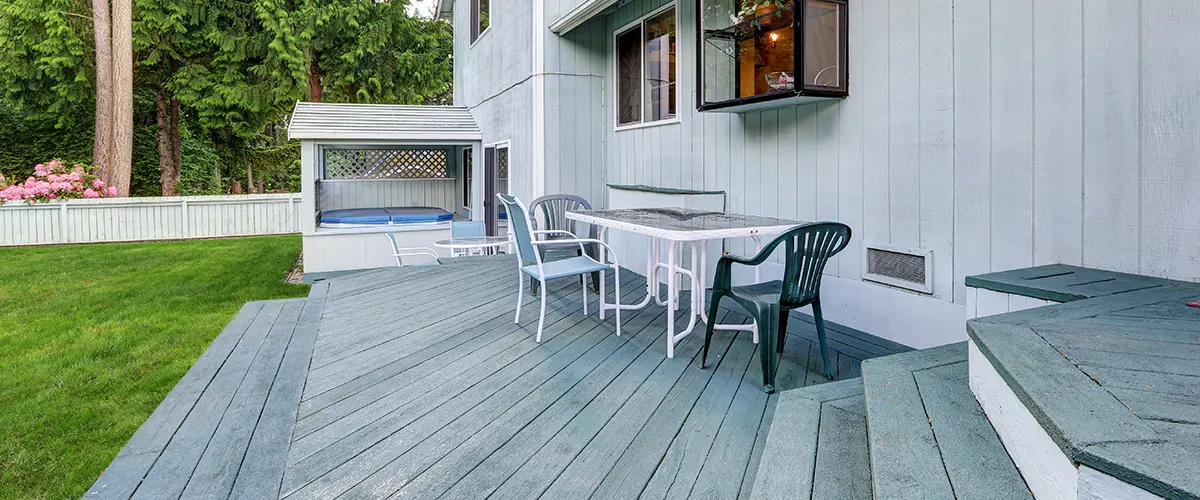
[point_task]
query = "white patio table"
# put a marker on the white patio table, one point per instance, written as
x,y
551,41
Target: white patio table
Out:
x,y
679,228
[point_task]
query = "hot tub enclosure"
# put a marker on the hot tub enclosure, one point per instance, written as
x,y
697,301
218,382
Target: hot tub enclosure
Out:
x,y
362,159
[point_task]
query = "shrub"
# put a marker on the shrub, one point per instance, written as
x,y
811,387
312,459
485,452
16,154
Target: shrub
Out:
x,y
54,181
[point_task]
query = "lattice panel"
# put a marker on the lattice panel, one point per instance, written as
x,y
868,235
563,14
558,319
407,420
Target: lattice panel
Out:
x,y
387,164
502,163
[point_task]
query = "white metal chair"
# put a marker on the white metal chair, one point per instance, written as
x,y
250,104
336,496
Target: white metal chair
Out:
x,y
529,261
400,253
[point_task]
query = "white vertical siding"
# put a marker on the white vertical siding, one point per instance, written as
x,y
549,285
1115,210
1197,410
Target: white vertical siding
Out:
x,y
996,134
142,219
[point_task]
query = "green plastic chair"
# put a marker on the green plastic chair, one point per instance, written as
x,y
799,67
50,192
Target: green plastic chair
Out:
x,y
808,249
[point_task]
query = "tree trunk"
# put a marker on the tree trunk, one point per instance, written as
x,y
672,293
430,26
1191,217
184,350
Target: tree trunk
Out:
x,y
176,144
314,83
167,167
122,75
176,141
102,143
249,179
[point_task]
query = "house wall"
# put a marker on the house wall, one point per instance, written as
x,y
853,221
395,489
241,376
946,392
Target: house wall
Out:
x,y
492,77
996,134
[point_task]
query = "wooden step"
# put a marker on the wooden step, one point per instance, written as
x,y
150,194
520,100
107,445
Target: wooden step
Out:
x,y
817,446
928,436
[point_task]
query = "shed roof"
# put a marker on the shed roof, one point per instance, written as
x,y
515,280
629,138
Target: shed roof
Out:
x,y
312,120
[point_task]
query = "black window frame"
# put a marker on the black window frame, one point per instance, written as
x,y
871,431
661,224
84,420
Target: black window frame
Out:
x,y
476,29
798,63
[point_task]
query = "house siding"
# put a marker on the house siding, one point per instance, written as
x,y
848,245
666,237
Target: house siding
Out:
x,y
492,78
997,135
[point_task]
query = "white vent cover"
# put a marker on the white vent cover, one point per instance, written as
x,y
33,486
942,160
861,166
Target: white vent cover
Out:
x,y
900,267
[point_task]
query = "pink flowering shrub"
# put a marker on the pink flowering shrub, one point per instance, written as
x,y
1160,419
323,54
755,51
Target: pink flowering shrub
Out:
x,y
54,181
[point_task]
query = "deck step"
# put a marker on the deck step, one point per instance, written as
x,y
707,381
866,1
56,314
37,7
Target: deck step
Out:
x,y
817,446
928,436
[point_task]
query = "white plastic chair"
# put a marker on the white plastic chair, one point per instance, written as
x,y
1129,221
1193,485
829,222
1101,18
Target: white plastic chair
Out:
x,y
400,253
529,261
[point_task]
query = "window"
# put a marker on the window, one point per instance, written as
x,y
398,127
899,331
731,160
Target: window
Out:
x,y
502,168
480,18
645,54
755,51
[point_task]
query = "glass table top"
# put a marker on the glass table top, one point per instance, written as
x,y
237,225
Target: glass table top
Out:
x,y
685,219
473,242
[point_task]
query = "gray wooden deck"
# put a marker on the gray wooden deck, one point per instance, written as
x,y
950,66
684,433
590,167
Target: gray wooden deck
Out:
x,y
420,386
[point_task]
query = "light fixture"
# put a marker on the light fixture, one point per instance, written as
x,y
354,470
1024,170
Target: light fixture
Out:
x,y
774,38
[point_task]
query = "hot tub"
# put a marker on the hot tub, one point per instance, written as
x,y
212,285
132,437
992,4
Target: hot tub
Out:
x,y
384,216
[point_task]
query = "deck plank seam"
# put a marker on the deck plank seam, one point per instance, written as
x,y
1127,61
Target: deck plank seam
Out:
x,y
343,352
241,381
150,469
493,299
270,389
658,365
932,431
515,377
725,415
614,352
320,291
550,404
679,428
157,452
511,330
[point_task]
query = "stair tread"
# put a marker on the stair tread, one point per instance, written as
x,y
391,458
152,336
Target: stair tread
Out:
x,y
817,447
928,436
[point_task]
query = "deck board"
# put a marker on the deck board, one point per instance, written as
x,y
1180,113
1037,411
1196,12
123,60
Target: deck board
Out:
x,y
416,383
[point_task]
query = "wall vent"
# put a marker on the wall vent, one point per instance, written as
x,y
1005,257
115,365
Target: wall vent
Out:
x,y
900,267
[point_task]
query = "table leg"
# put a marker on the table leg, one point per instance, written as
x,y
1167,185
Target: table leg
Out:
x,y
671,294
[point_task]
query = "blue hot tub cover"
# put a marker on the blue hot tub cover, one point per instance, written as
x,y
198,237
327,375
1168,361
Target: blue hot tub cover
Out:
x,y
417,215
386,215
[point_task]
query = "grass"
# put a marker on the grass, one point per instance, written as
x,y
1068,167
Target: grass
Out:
x,y
93,337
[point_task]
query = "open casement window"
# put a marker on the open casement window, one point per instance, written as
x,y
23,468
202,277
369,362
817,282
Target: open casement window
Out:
x,y
480,18
757,54
646,80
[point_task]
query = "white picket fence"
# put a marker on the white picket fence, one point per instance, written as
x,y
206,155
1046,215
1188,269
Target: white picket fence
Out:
x,y
144,219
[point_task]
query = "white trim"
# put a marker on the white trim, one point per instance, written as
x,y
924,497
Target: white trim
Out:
x,y
1046,469
575,17
660,123
505,144
640,23
485,31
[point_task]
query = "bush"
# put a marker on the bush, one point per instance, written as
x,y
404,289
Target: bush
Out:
x,y
54,181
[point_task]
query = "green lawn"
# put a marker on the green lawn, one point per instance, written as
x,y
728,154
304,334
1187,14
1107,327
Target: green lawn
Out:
x,y
93,337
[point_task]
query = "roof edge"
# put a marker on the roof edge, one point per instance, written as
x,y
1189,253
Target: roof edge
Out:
x,y
577,16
